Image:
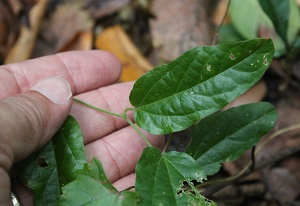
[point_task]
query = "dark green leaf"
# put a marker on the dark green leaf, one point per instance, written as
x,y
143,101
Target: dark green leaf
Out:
x,y
56,164
211,169
279,12
69,151
40,175
87,190
224,136
161,179
203,80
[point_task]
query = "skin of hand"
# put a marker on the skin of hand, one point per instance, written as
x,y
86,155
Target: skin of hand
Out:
x,y
35,99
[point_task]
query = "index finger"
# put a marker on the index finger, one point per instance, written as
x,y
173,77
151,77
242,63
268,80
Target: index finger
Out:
x,y
84,70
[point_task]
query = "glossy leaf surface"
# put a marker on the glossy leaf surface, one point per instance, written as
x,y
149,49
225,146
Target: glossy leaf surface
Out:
x,y
95,189
69,151
174,96
225,136
58,163
278,11
160,178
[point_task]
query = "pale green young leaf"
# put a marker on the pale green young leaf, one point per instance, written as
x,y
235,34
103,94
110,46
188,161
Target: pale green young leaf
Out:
x,y
279,12
247,16
175,96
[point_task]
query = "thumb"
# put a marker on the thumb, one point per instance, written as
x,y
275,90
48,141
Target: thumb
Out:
x,y
29,120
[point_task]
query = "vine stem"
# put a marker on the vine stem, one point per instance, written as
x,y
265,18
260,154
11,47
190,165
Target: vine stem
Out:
x,y
137,130
123,116
99,109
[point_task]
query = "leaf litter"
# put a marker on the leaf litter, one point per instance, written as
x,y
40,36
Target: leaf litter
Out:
x,y
286,104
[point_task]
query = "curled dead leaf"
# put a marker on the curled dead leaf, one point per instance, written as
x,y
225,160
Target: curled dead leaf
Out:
x,y
116,41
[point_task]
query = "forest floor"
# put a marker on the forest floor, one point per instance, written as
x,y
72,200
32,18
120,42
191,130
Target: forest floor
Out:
x,y
144,35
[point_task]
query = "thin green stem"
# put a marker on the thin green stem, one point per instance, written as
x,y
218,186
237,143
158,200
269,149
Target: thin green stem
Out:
x,y
137,130
124,116
99,109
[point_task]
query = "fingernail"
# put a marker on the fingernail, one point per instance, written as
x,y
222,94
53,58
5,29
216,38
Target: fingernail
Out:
x,y
56,89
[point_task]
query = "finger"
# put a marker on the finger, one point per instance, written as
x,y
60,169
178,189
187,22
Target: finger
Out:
x,y
84,70
95,124
125,182
28,121
120,151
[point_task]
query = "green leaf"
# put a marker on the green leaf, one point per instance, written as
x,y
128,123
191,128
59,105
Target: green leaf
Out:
x,y
225,136
294,22
248,19
161,179
87,190
229,34
96,171
69,151
247,16
174,96
56,164
279,12
40,175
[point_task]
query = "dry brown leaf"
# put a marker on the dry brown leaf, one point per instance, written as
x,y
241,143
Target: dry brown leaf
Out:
x,y
293,164
15,5
220,12
81,41
116,41
178,26
23,47
104,7
288,109
9,27
63,26
282,185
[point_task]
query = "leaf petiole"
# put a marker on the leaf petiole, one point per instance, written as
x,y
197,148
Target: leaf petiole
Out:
x,y
123,116
99,109
137,130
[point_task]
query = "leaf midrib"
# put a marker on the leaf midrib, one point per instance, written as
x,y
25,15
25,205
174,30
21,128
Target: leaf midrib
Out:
x,y
171,96
222,140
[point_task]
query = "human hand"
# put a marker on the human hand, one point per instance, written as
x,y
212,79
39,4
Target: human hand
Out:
x,y
28,118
